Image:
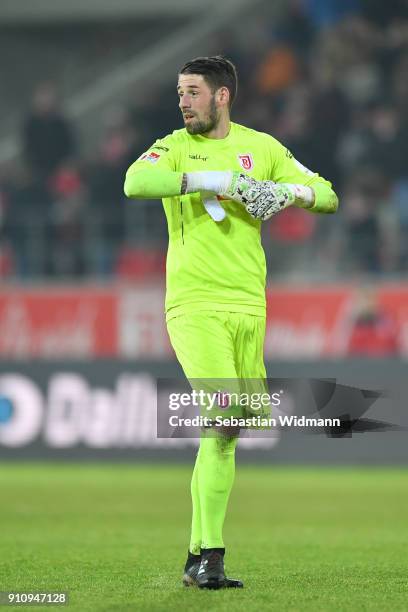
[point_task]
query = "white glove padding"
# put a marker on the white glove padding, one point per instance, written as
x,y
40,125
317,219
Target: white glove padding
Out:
x,y
212,206
262,199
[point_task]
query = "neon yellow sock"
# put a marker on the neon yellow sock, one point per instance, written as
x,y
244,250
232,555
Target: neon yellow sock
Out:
x,y
211,485
195,541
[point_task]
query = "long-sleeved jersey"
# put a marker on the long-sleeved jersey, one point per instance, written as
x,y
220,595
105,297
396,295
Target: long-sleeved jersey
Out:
x,y
217,266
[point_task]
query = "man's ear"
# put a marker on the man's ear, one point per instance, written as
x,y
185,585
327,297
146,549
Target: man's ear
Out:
x,y
223,96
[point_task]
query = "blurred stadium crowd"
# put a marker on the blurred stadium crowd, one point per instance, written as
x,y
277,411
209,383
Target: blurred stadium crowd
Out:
x,y
329,79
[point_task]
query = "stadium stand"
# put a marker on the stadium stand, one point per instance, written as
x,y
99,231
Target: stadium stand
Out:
x,y
327,79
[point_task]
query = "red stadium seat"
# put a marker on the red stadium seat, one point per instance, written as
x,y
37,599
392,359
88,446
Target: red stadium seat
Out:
x,y
140,264
6,262
293,225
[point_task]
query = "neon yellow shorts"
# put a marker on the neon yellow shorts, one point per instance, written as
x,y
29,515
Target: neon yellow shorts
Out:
x,y
215,345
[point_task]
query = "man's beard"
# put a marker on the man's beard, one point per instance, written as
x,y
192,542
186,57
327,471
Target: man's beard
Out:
x,y
203,127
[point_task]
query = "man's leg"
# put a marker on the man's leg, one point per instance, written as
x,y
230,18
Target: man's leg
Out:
x,y
249,346
215,477
204,347
194,551
217,454
211,486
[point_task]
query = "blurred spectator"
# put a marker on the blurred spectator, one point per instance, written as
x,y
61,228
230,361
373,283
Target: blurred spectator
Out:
x,y
308,112
399,86
382,13
399,203
106,221
6,252
373,332
296,28
66,240
48,137
277,71
362,227
27,222
327,12
291,234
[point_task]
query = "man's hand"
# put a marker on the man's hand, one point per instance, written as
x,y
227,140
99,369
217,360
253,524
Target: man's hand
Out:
x,y
263,199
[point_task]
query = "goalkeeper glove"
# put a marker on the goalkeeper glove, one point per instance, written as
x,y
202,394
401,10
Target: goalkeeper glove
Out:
x,y
262,199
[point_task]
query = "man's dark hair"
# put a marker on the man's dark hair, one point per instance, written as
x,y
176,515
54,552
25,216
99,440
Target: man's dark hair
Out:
x,y
217,71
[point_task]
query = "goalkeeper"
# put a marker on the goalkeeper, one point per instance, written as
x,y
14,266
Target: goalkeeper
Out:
x,y
218,181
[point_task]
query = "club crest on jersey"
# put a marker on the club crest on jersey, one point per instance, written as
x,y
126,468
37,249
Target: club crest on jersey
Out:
x,y
246,161
151,157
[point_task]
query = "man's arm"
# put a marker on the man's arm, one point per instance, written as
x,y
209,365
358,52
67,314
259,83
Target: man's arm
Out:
x,y
152,177
325,199
154,174
146,183
309,190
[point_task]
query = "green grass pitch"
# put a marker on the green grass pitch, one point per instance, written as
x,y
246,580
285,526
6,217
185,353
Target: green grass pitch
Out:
x,y
115,537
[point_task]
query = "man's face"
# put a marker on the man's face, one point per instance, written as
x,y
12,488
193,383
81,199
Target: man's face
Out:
x,y
197,103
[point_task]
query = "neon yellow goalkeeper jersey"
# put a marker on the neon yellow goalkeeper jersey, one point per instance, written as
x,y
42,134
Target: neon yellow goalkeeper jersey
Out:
x,y
218,266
